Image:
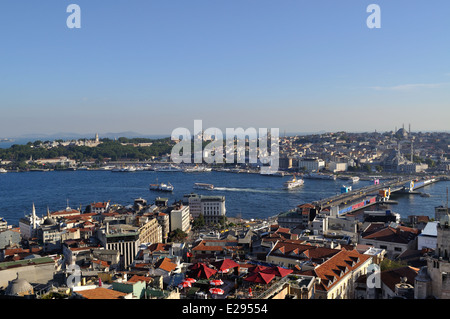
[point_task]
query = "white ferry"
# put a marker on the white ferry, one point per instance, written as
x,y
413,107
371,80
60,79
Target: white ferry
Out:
x,y
204,186
292,183
162,187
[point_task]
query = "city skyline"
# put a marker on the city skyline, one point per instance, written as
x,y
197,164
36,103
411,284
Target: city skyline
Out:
x,y
150,67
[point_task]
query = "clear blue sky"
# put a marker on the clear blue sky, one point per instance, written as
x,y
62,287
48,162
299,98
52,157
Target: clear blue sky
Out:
x,y
150,66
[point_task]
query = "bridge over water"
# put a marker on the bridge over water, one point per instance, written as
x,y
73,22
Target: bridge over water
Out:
x,y
368,195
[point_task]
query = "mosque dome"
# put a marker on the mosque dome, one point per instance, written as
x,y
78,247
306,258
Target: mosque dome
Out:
x,y
19,287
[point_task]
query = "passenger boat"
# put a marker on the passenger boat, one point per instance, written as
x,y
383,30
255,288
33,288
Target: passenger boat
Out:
x,y
161,187
204,186
293,183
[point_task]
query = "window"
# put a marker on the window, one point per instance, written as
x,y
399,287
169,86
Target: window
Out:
x,y
397,248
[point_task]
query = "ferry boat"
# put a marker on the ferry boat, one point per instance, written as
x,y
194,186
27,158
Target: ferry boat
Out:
x,y
162,187
169,168
293,182
204,186
316,175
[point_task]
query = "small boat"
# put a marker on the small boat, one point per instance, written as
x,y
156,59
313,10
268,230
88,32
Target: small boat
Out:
x,y
2,170
424,195
204,186
293,183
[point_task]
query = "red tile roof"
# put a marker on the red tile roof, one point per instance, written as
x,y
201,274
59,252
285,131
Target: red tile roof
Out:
x,y
101,293
165,264
334,269
401,234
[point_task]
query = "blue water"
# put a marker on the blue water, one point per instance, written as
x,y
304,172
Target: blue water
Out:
x,y
248,195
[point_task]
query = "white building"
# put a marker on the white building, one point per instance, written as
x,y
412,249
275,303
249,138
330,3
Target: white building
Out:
x,y
311,164
29,225
337,167
428,237
180,218
211,207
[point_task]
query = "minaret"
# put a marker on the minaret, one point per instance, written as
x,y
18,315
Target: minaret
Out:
x,y
96,138
33,217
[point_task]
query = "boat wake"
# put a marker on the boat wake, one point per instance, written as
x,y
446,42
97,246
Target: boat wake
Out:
x,y
250,190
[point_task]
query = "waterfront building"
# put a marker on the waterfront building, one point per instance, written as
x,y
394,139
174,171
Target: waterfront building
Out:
x,y
3,224
337,167
98,208
311,164
211,207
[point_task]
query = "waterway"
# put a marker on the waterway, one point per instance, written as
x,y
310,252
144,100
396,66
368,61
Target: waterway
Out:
x,y
247,195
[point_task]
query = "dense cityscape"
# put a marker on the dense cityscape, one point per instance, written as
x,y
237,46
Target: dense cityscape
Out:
x,y
224,158
349,246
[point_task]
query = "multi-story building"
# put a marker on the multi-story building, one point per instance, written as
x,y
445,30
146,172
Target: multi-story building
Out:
x,y
180,218
311,164
123,238
150,230
395,240
211,207
336,277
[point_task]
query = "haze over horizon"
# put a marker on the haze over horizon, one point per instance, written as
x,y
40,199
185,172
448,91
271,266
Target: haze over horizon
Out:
x,y
152,66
